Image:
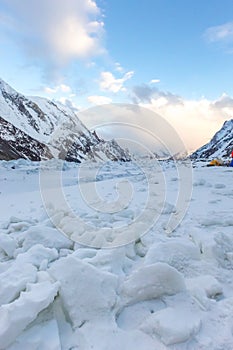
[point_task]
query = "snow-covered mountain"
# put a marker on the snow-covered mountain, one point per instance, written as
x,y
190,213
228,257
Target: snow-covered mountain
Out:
x,y
36,128
221,145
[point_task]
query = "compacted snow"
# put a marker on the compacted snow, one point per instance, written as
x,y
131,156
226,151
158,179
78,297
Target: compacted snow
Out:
x,y
115,265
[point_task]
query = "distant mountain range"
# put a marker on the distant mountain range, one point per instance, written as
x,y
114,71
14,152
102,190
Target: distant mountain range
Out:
x,y
36,128
220,146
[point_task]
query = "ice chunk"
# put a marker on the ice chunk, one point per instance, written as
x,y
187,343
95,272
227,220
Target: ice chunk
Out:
x,y
85,253
107,337
18,226
210,285
153,281
15,317
111,260
47,236
172,325
132,316
42,336
36,254
86,292
71,226
175,252
223,249
8,244
14,280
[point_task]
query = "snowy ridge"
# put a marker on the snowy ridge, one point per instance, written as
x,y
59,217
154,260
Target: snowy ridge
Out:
x,y
220,146
29,125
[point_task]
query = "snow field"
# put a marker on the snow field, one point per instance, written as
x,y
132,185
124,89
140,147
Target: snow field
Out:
x,y
158,292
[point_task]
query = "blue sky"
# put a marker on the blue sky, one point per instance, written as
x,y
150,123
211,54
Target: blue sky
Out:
x,y
166,39
172,56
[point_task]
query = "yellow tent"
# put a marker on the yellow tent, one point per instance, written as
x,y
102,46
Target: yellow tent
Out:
x,y
216,162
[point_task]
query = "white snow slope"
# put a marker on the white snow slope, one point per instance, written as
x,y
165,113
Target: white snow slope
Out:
x,y
159,292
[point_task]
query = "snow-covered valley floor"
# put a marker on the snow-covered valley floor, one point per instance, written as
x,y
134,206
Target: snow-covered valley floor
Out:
x,y
161,291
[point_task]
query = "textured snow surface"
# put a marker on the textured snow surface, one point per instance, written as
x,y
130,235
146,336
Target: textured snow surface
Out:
x,y
162,291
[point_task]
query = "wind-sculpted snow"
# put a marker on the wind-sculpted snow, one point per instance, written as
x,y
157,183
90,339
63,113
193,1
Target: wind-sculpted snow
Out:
x,y
162,290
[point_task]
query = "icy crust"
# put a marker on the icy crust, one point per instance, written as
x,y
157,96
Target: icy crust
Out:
x,y
159,292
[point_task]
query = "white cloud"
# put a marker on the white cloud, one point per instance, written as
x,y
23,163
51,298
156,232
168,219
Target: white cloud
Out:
x,y
118,67
221,33
59,88
99,100
57,30
155,81
110,83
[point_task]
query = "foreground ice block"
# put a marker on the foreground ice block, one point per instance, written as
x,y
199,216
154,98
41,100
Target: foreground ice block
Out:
x,y
16,316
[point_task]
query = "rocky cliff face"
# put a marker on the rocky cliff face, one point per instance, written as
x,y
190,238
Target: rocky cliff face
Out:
x,y
14,144
220,146
36,128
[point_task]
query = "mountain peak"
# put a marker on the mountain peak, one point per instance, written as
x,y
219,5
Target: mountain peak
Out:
x,y
28,126
6,87
220,146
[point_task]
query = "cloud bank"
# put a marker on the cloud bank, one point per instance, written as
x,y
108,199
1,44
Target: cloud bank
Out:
x,y
196,121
